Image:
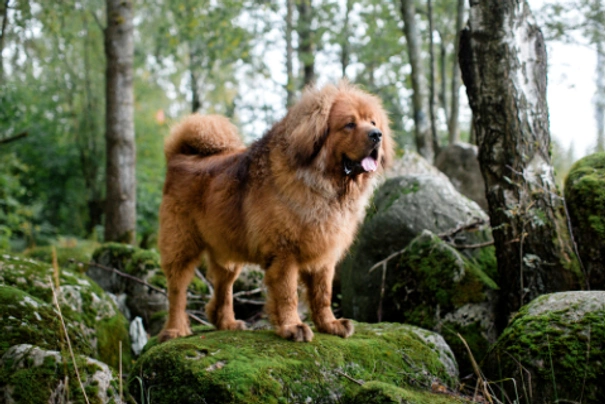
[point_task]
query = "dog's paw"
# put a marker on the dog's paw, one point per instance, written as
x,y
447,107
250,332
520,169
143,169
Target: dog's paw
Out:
x,y
233,325
341,327
296,332
172,333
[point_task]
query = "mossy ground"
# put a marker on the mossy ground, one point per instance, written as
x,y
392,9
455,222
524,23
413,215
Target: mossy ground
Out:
x,y
96,324
564,355
71,253
384,393
259,367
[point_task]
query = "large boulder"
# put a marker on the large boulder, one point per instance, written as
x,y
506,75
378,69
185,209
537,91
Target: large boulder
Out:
x,y
30,374
94,324
585,198
554,349
259,367
460,162
429,284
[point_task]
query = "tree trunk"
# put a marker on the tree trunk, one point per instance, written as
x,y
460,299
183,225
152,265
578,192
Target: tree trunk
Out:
x,y
432,98
120,206
306,41
289,53
196,102
345,54
453,128
2,36
443,74
600,97
424,142
503,61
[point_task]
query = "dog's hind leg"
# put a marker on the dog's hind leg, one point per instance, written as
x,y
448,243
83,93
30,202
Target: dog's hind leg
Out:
x,y
319,295
282,305
220,308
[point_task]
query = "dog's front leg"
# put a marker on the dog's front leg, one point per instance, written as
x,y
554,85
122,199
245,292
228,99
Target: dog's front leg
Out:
x,y
281,279
319,295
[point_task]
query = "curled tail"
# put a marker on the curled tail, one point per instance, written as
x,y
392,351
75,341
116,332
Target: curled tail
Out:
x,y
203,136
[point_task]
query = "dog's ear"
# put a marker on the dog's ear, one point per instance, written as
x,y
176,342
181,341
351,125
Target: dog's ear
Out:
x,y
307,124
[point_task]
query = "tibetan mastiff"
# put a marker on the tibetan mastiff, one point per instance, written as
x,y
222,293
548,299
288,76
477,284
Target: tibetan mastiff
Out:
x,y
291,202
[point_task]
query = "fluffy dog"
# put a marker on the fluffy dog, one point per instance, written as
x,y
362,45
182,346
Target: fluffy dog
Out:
x,y
291,203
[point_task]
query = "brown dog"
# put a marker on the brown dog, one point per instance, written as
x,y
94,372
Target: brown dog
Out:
x,y
291,203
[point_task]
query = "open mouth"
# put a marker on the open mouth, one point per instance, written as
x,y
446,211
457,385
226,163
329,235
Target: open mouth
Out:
x,y
366,165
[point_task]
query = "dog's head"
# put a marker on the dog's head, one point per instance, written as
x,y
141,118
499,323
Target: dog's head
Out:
x,y
343,129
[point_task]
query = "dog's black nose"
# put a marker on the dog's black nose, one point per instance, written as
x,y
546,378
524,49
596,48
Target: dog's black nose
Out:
x,y
375,135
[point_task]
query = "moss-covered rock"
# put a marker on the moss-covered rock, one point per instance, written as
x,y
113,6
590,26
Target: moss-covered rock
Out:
x,y
71,253
435,287
585,198
139,300
29,374
28,315
259,367
431,284
554,348
384,393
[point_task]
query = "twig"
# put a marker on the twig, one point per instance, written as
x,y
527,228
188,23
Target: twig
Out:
x,y
382,288
120,364
196,318
471,246
480,378
128,276
200,275
361,383
387,259
247,292
458,229
575,245
71,352
13,138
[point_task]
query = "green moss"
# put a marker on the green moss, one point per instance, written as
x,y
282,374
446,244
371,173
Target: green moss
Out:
x,y
142,261
554,344
94,323
115,255
383,393
69,255
260,367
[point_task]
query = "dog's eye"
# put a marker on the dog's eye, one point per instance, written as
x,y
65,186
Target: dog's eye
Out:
x,y
350,125
373,123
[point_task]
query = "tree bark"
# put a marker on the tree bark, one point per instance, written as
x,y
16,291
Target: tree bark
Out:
x,y
600,97
120,206
306,41
289,53
432,95
503,61
345,54
453,127
443,73
3,36
424,143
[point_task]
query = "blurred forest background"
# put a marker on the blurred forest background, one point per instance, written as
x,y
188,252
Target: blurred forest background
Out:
x,y
246,59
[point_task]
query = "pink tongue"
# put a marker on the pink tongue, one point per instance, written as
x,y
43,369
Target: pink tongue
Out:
x,y
369,164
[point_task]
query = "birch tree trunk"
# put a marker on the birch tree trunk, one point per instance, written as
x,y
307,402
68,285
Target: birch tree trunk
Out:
x,y
432,91
600,97
424,143
4,13
453,127
120,206
503,61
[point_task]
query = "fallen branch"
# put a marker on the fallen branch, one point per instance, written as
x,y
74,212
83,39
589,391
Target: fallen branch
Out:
x,y
343,374
127,276
13,138
453,232
471,246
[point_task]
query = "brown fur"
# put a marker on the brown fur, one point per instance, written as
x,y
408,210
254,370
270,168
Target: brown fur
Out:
x,y
284,203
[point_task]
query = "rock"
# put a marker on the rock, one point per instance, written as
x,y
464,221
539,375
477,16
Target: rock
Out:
x,y
138,335
431,284
259,367
401,209
141,301
412,163
585,198
460,163
94,324
30,374
554,348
